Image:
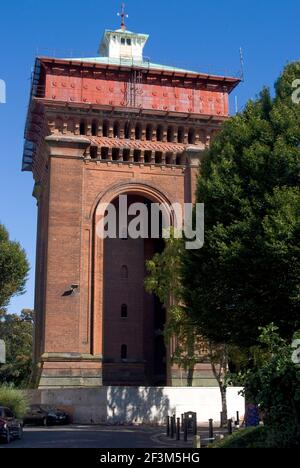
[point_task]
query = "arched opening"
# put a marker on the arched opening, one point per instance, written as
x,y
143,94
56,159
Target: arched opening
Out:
x,y
124,272
82,128
160,133
149,132
169,159
192,136
126,155
94,152
124,311
124,353
115,154
104,153
181,135
94,128
170,136
106,128
178,160
124,290
116,130
148,156
127,131
137,156
138,132
158,157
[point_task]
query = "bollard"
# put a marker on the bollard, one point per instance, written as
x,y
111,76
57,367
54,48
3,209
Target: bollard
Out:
x,y
211,429
172,428
229,426
178,429
237,423
185,430
197,442
168,426
182,422
195,427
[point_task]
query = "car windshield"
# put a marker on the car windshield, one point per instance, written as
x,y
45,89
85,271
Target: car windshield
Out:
x,y
49,409
35,408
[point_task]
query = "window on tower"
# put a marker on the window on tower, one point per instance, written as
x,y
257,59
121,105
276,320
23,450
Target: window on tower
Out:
x,y
124,352
181,135
128,42
94,152
124,272
149,132
123,42
94,128
105,128
82,128
116,130
192,136
138,132
124,311
170,135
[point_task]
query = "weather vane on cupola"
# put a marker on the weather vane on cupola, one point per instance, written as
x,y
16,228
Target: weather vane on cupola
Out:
x,y
123,16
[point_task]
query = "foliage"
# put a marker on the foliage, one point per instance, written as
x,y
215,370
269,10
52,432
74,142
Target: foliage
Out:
x,y
17,332
254,437
165,280
13,268
261,437
164,270
247,275
273,384
13,399
275,387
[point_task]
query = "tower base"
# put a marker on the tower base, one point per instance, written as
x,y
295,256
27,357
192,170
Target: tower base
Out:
x,y
70,371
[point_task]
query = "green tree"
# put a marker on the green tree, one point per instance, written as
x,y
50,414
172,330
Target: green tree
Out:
x,y
248,273
165,280
13,268
17,332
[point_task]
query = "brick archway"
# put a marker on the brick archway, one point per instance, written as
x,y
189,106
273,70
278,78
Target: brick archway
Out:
x,y
139,189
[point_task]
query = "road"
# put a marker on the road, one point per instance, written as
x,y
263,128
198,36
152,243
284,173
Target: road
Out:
x,y
89,437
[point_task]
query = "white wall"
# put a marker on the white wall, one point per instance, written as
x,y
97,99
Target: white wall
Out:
x,y
140,405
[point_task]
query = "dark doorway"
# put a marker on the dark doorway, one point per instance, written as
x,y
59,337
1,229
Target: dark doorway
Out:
x,y
143,327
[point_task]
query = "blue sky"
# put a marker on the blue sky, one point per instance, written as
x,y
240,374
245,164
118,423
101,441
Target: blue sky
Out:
x,y
195,34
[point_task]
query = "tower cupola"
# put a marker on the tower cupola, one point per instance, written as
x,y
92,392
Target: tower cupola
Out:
x,y
123,44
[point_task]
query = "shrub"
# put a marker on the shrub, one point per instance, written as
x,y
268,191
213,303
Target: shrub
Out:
x,y
285,436
13,399
254,437
275,388
262,437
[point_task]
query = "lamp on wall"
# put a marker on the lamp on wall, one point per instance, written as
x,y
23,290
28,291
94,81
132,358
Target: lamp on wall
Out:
x,y
74,289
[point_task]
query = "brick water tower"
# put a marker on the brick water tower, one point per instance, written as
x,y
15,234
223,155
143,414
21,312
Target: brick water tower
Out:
x,y
98,128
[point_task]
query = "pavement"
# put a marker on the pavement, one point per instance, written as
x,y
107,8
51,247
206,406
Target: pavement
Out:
x,y
106,437
91,437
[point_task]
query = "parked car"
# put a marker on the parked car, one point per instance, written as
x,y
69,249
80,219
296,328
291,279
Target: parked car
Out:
x,y
45,416
10,427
